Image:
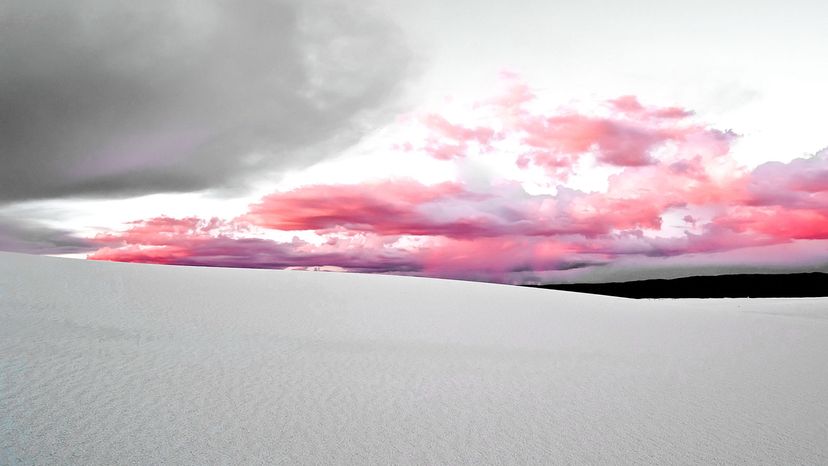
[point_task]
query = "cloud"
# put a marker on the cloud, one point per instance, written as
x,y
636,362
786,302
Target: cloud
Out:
x,y
390,207
407,207
36,238
211,242
690,199
630,105
786,201
627,135
115,97
801,183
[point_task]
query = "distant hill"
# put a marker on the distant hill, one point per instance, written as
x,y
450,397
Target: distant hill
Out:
x,y
812,284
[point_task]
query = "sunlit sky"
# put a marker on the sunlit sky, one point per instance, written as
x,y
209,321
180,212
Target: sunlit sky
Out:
x,y
519,142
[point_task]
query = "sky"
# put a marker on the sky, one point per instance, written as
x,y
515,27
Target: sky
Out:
x,y
515,142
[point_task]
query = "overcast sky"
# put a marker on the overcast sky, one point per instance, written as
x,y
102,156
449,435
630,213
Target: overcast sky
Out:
x,y
506,141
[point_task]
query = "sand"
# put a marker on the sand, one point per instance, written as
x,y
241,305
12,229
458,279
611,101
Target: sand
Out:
x,y
105,363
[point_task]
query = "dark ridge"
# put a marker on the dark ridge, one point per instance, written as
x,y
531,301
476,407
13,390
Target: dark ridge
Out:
x,y
794,285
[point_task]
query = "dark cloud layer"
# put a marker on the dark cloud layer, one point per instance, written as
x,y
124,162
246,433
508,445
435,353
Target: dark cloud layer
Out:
x,y
35,238
103,97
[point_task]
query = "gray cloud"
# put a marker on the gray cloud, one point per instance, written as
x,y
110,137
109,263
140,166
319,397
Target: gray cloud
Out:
x,y
36,238
117,97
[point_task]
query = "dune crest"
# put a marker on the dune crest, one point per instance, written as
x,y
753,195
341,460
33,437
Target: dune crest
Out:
x,y
106,363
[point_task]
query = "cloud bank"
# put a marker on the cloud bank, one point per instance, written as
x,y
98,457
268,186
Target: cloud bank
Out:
x,y
33,237
115,97
675,192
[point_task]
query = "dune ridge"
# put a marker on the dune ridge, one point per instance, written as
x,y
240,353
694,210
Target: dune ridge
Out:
x,y
108,363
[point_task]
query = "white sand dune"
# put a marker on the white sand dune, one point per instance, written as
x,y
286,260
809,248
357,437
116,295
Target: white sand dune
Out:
x,y
104,363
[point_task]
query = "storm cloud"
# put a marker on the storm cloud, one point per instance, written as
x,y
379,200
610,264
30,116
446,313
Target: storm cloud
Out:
x,y
101,98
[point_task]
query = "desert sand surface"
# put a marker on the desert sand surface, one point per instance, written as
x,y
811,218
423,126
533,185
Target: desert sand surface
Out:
x,y
106,363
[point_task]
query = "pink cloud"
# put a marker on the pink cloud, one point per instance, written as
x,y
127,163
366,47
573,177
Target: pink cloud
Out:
x,y
667,167
777,222
627,137
386,208
566,137
801,183
630,105
493,258
163,241
448,140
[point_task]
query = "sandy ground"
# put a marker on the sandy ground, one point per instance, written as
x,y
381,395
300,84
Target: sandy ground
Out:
x,y
104,363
